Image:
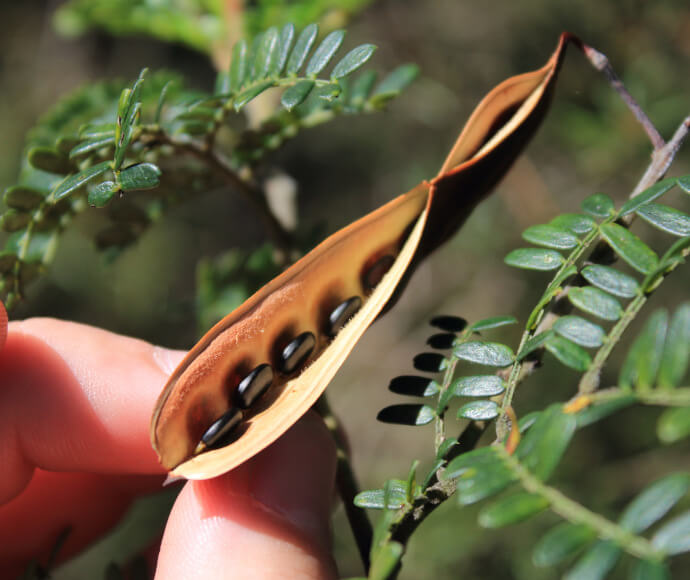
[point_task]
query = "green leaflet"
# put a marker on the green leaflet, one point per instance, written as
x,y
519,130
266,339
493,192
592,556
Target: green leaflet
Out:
x,y
630,248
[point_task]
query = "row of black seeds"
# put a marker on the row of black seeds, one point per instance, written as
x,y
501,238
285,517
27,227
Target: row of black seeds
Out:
x,y
252,387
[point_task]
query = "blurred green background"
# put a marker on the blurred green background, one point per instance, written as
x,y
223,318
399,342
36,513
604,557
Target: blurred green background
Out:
x,y
344,169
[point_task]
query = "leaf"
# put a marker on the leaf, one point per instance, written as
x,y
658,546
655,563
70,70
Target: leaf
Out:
x,y
287,35
611,280
86,147
361,87
353,60
409,414
674,536
580,331
386,561
674,255
630,248
655,502
302,47
74,182
23,197
642,363
97,131
251,92
554,288
512,509
100,195
449,323
595,302
534,343
666,218
648,195
481,482
674,425
596,562
394,83
479,386
414,386
374,498
575,222
601,410
481,458
550,236
598,205
561,542
534,259
649,570
266,53
14,220
238,66
296,94
48,159
684,183
139,176
479,411
485,353
569,353
493,322
542,447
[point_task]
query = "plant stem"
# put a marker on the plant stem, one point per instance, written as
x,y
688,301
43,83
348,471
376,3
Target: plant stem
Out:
x,y
346,483
678,397
576,513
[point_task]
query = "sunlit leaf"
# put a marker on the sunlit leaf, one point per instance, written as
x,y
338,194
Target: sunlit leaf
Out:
x,y
238,65
595,302
630,248
296,94
74,182
324,52
550,236
485,353
534,259
302,47
580,331
353,60
479,386
493,322
598,205
139,176
575,222
479,411
648,195
674,536
611,280
666,218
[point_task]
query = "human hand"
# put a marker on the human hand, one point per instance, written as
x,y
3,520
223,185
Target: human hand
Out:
x,y
75,404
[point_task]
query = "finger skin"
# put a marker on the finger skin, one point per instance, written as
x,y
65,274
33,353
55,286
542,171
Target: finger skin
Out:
x,y
75,405
267,519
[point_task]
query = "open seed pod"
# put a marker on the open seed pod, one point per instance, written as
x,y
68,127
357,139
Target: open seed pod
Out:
x,y
255,373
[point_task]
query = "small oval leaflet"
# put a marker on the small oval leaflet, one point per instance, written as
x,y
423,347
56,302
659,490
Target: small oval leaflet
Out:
x,y
550,236
479,386
575,222
534,259
596,302
630,248
140,176
598,205
569,353
324,52
667,219
353,60
479,411
580,331
611,280
485,353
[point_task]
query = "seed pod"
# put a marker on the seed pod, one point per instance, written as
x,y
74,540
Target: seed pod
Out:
x,y
407,229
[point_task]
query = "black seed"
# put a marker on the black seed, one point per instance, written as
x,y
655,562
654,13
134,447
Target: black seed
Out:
x,y
372,276
429,362
254,385
341,314
221,427
449,323
442,340
296,352
413,386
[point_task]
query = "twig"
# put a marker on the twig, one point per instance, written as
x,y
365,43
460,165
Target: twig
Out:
x,y
346,483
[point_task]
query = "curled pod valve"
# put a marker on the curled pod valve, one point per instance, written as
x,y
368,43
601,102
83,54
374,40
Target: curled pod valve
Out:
x,y
257,371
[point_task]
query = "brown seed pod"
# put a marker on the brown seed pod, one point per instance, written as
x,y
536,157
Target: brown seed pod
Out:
x,y
285,324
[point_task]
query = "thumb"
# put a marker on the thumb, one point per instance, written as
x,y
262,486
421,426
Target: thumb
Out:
x,y
269,518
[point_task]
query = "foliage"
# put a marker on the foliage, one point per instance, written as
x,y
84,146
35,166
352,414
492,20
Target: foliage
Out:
x,y
527,452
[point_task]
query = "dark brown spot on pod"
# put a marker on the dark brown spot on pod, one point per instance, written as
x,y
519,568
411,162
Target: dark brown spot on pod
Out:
x,y
217,433
374,272
341,314
255,384
296,352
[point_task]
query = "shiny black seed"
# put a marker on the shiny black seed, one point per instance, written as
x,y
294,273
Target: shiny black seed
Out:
x,y
341,314
376,271
253,386
441,341
413,386
449,323
296,352
429,362
222,427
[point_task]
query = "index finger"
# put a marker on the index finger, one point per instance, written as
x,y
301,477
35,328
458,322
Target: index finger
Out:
x,y
76,398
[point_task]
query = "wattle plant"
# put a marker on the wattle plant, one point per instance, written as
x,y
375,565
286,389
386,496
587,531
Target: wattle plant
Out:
x,y
134,152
